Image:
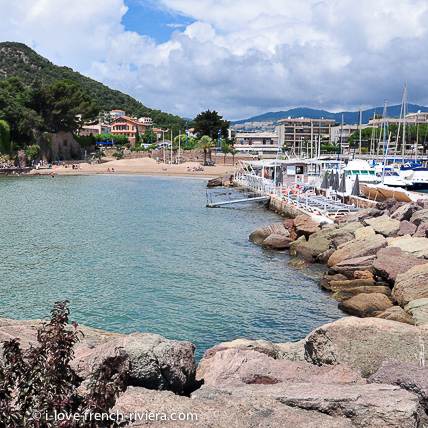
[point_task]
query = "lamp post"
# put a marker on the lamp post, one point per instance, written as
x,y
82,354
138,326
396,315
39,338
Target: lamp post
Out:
x,y
163,145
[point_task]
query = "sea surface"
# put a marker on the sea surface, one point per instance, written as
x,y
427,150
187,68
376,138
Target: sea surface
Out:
x,y
141,253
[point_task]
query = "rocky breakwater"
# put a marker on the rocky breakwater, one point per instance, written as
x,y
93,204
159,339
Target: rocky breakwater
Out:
x,y
377,258
340,375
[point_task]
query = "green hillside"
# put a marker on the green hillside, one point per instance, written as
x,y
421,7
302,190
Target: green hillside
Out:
x,y
17,59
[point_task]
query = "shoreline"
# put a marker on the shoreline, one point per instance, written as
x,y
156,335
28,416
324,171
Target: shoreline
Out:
x,y
139,166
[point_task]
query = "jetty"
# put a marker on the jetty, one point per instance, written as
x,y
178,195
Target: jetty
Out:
x,y
229,196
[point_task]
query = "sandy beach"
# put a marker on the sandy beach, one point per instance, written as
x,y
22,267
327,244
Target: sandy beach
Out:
x,y
138,166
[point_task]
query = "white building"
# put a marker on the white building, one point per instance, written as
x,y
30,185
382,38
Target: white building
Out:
x,y
146,120
266,142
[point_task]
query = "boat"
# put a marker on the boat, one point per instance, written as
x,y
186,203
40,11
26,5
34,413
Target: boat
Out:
x,y
418,176
382,191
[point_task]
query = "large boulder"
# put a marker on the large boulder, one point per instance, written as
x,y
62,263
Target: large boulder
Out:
x,y
305,226
396,313
407,376
406,228
156,362
391,261
405,212
351,283
348,267
260,234
364,232
366,343
348,293
325,281
293,351
357,248
415,246
276,242
309,250
238,367
419,217
261,346
249,406
422,230
411,285
418,309
373,405
384,225
366,305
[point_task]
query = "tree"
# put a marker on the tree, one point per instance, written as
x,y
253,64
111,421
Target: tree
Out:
x,y
210,123
225,149
68,107
233,153
205,143
137,138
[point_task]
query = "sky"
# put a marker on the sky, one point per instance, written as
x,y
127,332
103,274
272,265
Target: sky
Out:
x,y
239,57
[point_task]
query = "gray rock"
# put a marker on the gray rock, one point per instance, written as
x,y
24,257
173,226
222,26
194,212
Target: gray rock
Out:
x,y
364,232
391,261
411,285
366,305
276,242
396,313
156,362
260,234
405,212
419,310
415,246
363,405
384,225
419,217
293,351
387,204
223,408
366,342
357,248
407,376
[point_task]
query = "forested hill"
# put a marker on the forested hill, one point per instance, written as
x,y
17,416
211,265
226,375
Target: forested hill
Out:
x,y
17,59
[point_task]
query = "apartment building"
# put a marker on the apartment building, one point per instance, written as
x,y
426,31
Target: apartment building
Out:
x,y
293,133
266,142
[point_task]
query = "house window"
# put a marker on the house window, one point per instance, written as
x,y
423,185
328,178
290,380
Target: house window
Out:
x,y
64,143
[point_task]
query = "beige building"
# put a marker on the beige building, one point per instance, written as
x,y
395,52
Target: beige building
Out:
x,y
294,133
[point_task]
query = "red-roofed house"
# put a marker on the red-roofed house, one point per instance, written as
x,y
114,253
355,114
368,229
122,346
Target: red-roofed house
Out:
x,y
128,126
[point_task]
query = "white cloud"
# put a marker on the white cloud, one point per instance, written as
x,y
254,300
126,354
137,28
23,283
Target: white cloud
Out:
x,y
239,57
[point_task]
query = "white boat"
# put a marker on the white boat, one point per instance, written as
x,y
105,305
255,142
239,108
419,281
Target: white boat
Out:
x,y
390,176
418,176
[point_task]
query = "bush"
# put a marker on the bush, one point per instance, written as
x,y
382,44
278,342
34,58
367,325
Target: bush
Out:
x,y
37,383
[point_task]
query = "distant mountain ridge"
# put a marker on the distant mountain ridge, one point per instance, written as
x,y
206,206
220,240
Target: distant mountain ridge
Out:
x,y
348,117
17,59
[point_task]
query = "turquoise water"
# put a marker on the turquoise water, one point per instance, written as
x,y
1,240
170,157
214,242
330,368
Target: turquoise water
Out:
x,y
138,253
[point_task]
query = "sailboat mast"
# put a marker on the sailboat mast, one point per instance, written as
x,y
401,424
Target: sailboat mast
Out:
x,y
404,122
361,121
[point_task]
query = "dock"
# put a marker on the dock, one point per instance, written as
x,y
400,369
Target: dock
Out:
x,y
229,197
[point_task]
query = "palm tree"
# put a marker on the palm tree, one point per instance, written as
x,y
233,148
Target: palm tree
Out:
x,y
233,152
205,144
225,149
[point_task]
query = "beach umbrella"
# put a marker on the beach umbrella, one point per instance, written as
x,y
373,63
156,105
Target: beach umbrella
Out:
x,y
331,179
336,182
356,187
342,186
324,184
